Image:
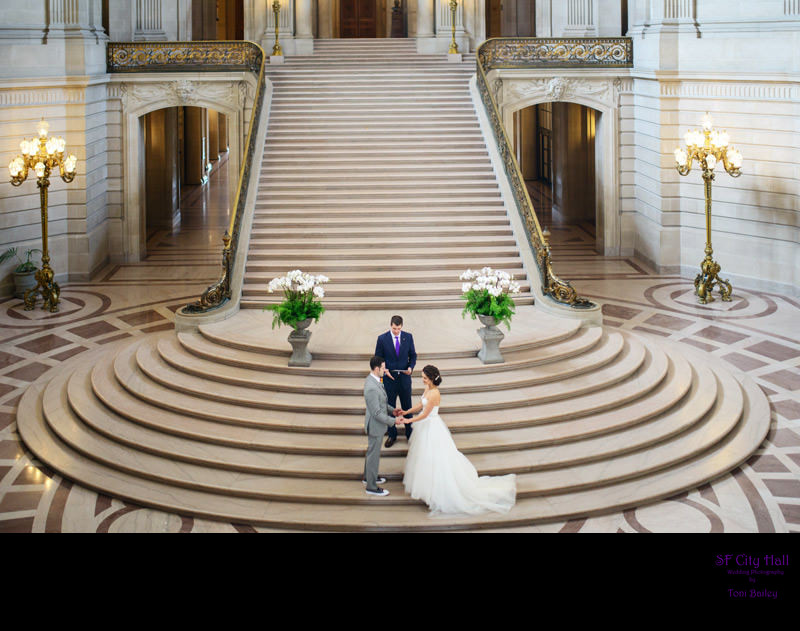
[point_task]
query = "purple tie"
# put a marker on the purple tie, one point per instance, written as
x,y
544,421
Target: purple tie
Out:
x,y
397,346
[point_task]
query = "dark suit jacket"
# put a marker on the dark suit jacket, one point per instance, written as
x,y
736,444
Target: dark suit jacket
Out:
x,y
385,349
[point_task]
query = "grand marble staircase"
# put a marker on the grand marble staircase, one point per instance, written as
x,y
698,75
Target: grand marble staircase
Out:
x,y
376,173
214,423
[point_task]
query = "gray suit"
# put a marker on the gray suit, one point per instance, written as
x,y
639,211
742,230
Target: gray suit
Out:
x,y
379,417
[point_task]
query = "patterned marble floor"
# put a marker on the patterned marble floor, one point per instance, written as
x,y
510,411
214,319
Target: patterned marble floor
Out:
x,y
756,333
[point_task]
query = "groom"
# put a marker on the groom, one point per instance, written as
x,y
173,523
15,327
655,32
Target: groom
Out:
x,y
397,347
380,415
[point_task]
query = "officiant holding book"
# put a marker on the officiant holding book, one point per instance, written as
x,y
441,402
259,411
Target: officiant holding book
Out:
x,y
397,348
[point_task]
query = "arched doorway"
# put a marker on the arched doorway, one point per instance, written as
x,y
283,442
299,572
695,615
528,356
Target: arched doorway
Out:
x,y
182,146
555,146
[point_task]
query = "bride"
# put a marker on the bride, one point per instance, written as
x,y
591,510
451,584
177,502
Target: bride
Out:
x,y
440,475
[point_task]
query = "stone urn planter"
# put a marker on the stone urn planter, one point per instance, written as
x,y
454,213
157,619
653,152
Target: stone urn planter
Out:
x,y
488,291
299,338
491,336
23,281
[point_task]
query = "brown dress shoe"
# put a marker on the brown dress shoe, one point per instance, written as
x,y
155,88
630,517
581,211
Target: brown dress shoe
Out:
x,y
389,442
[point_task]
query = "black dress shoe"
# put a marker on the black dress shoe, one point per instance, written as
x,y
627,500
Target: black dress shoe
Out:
x,y
390,441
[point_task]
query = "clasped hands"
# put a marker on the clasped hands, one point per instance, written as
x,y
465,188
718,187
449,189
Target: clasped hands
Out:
x,y
388,373
399,415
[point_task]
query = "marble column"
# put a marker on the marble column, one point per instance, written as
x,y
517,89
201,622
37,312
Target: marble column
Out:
x,y
148,21
426,43
304,33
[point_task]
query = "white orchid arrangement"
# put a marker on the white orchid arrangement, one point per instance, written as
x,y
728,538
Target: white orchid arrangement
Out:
x,y
300,290
487,292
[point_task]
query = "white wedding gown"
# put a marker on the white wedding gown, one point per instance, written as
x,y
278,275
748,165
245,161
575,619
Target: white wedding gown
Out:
x,y
440,475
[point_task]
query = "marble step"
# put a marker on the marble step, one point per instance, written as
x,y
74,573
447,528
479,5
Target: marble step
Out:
x,y
273,360
252,288
172,352
509,263
386,244
299,230
249,480
368,277
380,517
571,450
367,303
683,397
125,371
385,205
478,253
367,193
633,359
274,220
337,340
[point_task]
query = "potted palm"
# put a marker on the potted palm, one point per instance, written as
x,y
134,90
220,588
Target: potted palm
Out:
x,y
488,295
301,304
24,272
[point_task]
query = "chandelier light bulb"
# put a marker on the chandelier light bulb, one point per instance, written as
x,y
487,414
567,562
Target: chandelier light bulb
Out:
x,y
724,139
70,164
52,146
43,127
734,158
708,122
680,157
13,168
711,161
39,168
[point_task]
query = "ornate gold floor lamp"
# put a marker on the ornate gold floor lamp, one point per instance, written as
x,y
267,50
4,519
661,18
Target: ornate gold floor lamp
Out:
x,y
709,147
42,156
277,51
453,45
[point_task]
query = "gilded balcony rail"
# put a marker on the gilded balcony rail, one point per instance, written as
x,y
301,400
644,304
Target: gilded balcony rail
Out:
x,y
536,52
206,56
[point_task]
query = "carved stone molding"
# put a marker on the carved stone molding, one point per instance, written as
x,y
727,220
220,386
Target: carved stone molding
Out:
x,y
182,92
559,88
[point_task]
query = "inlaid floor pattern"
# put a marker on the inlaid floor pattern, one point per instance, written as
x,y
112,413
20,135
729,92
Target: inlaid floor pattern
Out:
x,y
376,173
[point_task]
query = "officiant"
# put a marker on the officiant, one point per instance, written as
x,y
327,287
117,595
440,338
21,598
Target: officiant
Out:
x,y
397,348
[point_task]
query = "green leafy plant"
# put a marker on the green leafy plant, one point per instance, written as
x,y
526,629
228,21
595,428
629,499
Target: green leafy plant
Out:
x,y
301,293
488,294
24,266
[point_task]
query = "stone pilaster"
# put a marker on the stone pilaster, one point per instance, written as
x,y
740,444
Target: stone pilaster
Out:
x,y
148,21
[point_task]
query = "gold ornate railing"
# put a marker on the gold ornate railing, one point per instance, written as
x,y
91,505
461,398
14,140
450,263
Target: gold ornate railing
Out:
x,y
217,56
535,52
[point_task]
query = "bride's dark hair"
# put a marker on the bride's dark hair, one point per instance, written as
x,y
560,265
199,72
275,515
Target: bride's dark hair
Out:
x,y
432,373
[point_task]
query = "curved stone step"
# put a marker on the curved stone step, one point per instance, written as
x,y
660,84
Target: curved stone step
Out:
x,y
736,447
260,474
173,353
267,417
668,394
119,430
274,360
336,340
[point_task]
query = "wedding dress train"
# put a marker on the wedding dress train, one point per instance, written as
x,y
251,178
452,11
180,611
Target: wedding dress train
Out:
x,y
439,474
